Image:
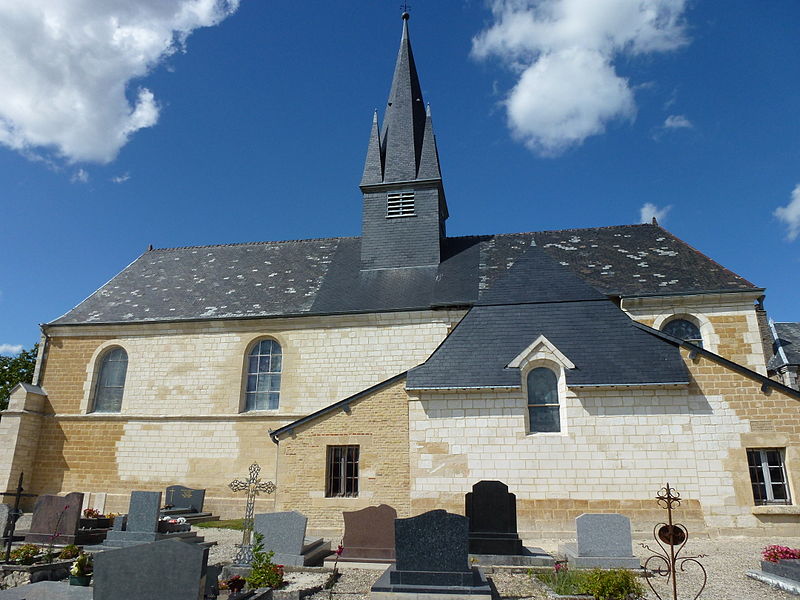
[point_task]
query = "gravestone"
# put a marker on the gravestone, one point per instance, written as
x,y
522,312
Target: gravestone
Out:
x,y
369,534
285,535
5,513
492,513
144,511
432,557
156,571
55,514
179,496
604,541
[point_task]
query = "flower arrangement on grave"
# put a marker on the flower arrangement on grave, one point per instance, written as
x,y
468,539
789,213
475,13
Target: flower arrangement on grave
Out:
x,y
263,572
335,575
81,571
172,524
235,584
775,553
91,513
25,554
82,565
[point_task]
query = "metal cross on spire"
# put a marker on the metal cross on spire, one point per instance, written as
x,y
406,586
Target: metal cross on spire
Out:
x,y
405,6
253,486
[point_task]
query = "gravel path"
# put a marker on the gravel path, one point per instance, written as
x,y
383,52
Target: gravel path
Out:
x,y
726,561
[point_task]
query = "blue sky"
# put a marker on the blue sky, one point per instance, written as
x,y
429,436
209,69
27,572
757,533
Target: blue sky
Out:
x,y
188,122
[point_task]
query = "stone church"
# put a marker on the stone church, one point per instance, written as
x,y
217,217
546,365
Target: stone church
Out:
x,y
584,368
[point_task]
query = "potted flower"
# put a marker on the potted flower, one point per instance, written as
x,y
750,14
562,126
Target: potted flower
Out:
x,y
81,571
94,519
235,584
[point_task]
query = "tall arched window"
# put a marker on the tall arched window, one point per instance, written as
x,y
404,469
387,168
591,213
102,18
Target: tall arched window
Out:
x,y
263,376
111,381
543,409
685,330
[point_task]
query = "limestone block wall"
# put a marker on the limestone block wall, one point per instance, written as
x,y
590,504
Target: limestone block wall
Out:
x,y
728,322
117,455
181,420
20,427
378,424
619,447
199,368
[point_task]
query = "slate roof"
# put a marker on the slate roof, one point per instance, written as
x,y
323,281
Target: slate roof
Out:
x,y
786,345
539,297
323,276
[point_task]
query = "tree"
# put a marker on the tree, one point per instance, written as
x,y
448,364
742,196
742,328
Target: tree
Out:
x,y
16,369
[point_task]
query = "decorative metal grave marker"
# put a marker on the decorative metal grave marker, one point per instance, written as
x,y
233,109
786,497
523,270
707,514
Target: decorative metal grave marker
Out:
x,y
13,516
671,538
253,486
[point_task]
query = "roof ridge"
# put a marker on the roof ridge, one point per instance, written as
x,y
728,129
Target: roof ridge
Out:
x,y
262,243
490,235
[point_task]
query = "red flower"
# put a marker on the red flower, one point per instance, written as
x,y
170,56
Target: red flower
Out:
x,y
339,550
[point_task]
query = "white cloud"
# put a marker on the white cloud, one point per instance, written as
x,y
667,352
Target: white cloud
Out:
x,y
677,122
790,214
649,210
10,348
121,178
66,67
564,52
80,176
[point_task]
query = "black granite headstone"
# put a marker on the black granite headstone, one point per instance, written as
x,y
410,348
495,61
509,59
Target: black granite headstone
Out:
x,y
179,496
492,513
432,549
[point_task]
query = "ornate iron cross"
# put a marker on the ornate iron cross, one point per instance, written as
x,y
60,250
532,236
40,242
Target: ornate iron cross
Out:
x,y
671,538
253,486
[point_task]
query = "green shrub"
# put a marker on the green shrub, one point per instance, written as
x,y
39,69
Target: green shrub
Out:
x,y
25,554
614,584
263,572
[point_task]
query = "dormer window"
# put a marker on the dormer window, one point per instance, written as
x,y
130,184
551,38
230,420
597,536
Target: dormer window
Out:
x,y
399,204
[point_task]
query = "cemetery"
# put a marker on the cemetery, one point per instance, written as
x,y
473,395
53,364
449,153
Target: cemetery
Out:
x,y
435,555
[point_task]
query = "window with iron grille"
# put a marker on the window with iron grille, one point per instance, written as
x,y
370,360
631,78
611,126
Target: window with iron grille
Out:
x,y
342,471
768,476
400,204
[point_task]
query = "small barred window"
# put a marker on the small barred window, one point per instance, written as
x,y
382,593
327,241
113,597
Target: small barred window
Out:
x,y
342,472
400,204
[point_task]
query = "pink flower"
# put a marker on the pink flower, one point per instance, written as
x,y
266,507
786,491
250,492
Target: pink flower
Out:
x,y
339,550
560,567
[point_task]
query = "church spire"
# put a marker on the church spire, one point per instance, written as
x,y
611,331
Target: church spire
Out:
x,y
406,138
402,177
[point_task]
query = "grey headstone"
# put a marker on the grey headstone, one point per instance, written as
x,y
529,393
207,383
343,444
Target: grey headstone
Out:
x,y
144,512
120,522
179,496
55,514
433,541
5,511
169,569
284,533
47,590
604,535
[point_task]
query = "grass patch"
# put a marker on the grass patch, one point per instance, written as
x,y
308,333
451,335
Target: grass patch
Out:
x,y
229,524
565,583
611,584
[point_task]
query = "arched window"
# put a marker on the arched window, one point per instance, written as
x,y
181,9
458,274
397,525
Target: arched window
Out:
x,y
543,409
263,376
111,381
685,330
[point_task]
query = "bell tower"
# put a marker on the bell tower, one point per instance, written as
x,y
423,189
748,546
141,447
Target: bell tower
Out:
x,y
404,204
